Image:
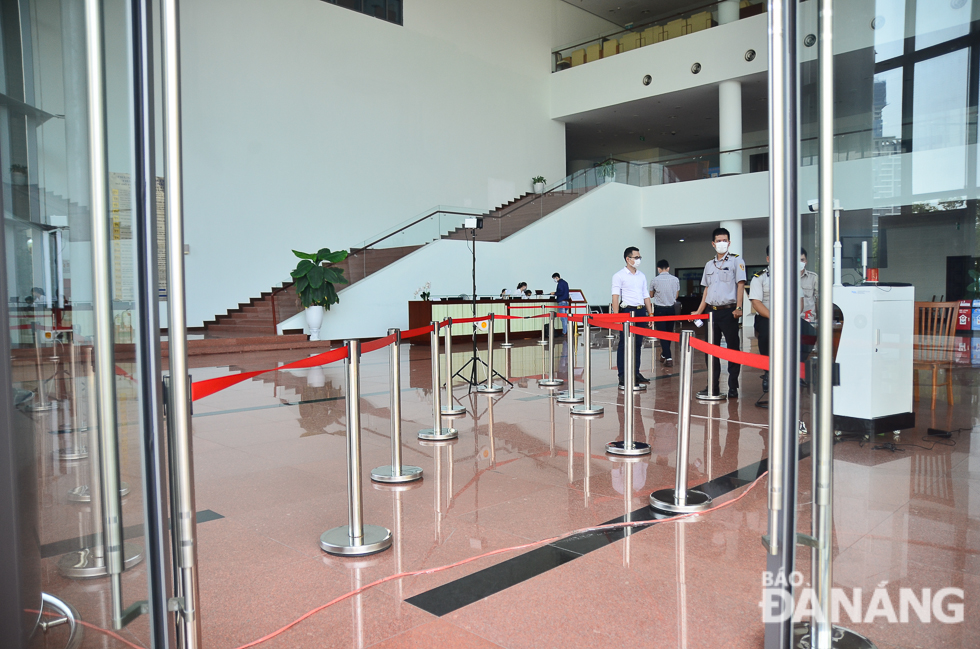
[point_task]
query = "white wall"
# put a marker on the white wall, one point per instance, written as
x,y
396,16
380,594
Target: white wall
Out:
x,y
308,125
744,196
569,241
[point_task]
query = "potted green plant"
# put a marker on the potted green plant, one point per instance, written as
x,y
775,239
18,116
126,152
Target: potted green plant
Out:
x,y
606,171
537,183
314,284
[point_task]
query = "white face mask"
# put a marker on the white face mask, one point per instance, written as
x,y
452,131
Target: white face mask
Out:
x,y
802,266
721,247
636,262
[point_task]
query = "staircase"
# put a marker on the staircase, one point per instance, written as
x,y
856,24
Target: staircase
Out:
x,y
256,317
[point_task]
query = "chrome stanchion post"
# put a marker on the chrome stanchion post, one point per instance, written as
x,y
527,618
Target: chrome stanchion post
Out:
x,y
451,409
587,408
712,379
568,396
506,344
397,472
355,538
609,332
628,446
680,499
551,381
437,432
489,387
543,341
78,450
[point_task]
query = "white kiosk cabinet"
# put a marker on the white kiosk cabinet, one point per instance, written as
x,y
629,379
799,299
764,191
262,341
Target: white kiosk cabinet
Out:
x,y
875,358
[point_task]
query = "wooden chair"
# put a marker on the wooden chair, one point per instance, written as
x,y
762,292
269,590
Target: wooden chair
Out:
x,y
935,327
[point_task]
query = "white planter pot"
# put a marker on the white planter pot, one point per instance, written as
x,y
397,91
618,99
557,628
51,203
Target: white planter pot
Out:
x,y
538,188
314,318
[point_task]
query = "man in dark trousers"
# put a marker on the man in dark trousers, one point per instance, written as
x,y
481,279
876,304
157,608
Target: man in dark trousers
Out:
x,y
561,295
664,290
724,287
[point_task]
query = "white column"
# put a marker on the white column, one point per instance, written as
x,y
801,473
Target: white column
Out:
x,y
730,126
727,11
735,228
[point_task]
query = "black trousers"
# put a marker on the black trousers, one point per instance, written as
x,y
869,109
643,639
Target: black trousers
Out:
x,y
638,346
664,326
808,337
726,325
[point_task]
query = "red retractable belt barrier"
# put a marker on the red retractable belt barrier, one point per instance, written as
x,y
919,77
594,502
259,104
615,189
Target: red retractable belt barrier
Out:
x,y
650,333
419,331
757,361
668,318
377,343
201,389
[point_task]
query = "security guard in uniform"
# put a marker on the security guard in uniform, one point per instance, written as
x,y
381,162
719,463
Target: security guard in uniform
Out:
x,y
724,282
759,291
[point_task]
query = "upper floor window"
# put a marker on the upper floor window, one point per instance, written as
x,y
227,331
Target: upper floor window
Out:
x,y
390,10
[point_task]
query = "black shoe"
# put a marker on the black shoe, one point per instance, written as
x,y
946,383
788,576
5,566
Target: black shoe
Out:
x,y
622,385
668,363
733,393
765,382
641,379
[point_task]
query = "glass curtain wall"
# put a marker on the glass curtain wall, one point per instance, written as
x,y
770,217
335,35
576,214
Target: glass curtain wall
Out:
x,y
47,274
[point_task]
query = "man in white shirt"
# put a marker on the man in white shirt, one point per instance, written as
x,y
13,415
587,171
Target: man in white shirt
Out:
x,y
629,295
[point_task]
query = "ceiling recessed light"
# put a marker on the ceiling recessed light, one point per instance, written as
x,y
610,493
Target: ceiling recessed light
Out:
x,y
681,240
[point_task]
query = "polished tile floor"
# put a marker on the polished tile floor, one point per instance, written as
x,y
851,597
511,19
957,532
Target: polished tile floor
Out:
x,y
270,476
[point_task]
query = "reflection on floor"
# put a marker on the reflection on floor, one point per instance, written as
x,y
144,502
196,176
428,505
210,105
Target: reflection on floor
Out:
x,y
270,464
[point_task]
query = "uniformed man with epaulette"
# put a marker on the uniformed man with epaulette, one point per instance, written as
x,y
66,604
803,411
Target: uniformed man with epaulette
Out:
x,y
724,282
759,291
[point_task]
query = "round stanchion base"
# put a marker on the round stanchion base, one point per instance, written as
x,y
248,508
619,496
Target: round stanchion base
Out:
x,y
493,388
639,387
433,435
506,345
663,500
39,407
338,541
542,343
84,564
550,383
610,337
71,454
707,399
387,474
619,448
582,411
452,411
840,638
564,397
83,495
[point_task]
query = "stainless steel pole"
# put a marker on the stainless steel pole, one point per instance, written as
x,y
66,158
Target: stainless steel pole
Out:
x,y
489,387
506,344
355,538
587,409
397,472
543,341
451,409
628,446
784,323
680,499
437,432
571,347
551,381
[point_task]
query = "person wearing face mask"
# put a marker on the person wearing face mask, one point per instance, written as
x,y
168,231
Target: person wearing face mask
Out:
x,y
759,291
809,282
724,282
561,295
629,295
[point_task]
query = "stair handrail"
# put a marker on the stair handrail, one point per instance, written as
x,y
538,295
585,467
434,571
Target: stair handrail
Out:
x,y
354,251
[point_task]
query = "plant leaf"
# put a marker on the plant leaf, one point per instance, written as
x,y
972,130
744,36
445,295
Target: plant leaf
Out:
x,y
302,268
334,275
302,283
333,257
330,295
304,255
315,276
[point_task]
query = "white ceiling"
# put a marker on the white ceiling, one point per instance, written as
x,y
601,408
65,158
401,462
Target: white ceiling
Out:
x,y
623,12
682,121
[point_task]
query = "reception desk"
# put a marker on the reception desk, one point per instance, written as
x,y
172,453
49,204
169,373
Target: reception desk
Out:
x,y
422,313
